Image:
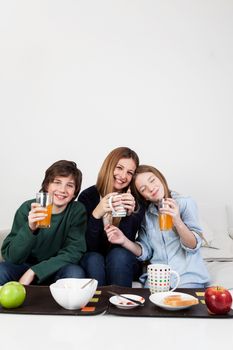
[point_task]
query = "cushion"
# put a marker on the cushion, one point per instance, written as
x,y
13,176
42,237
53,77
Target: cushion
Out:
x,y
217,242
207,233
221,273
220,248
3,234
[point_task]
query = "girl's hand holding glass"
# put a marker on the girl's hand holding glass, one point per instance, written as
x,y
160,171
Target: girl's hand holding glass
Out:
x,y
171,208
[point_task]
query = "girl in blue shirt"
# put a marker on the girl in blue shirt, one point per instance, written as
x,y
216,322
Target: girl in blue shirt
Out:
x,y
179,246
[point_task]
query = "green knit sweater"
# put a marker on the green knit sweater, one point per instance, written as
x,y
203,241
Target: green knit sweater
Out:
x,y
47,249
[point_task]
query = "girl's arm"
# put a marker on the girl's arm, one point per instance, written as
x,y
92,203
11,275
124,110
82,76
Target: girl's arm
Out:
x,y
187,237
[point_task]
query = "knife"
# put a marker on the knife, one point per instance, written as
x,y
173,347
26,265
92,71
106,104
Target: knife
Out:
x,y
127,298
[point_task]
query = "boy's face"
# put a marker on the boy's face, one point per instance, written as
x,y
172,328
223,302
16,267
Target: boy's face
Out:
x,y
62,188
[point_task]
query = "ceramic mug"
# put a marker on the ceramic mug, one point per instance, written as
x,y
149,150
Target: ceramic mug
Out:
x,y
118,211
159,278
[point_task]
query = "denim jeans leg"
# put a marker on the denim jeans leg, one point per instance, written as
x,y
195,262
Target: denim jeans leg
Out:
x,y
94,265
120,266
11,272
70,271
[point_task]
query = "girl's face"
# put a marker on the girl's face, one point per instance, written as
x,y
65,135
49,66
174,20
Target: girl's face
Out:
x,y
123,173
149,186
62,188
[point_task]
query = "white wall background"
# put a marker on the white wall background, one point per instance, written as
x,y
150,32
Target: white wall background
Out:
x,y
81,77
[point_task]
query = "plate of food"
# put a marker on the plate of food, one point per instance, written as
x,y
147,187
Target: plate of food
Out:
x,y
173,300
122,303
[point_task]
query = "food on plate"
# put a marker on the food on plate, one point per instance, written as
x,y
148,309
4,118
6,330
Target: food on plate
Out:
x,y
218,300
179,300
124,301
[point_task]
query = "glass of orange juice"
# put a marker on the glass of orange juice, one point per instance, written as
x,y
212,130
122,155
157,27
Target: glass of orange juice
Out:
x,y
165,220
46,201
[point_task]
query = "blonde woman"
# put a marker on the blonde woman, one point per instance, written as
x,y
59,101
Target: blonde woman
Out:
x,y
106,262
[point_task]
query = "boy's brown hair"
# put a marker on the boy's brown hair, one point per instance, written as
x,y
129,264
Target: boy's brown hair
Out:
x,y
63,168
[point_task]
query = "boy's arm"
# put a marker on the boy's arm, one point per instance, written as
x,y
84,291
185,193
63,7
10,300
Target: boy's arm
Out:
x,y
18,244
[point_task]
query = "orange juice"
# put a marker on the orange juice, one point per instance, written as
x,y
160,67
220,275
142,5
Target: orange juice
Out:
x,y
165,222
45,223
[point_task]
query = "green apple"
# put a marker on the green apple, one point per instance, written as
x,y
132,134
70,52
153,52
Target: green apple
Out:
x,y
12,294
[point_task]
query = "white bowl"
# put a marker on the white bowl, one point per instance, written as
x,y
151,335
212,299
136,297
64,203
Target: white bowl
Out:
x,y
68,292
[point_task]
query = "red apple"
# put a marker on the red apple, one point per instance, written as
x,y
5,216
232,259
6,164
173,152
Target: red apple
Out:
x,y
218,300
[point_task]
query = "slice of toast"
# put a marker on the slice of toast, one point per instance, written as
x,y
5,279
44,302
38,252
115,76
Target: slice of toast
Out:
x,y
178,300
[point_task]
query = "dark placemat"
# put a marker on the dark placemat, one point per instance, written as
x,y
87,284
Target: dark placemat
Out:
x,y
40,301
151,310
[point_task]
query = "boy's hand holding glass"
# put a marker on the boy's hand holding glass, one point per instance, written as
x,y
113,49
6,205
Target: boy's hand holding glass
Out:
x,y
41,211
45,201
36,214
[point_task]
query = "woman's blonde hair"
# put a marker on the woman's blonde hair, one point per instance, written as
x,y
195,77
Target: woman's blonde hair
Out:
x,y
105,177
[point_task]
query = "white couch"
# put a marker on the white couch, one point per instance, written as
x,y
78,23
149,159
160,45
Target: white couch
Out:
x,y
217,250
217,224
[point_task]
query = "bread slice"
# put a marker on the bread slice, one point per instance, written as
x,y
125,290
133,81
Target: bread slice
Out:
x,y
179,300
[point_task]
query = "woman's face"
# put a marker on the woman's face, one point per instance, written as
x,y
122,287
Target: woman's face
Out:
x,y
149,186
123,173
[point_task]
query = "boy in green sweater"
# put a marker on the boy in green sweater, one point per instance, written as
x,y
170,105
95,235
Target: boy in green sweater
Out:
x,y
48,254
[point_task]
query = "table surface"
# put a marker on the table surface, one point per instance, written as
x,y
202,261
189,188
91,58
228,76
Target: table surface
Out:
x,y
100,332
34,331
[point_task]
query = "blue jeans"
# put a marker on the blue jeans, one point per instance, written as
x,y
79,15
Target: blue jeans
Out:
x,y
117,267
13,272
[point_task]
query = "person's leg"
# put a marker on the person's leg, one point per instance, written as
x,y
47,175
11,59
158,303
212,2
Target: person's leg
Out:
x,y
11,272
94,265
70,271
120,267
